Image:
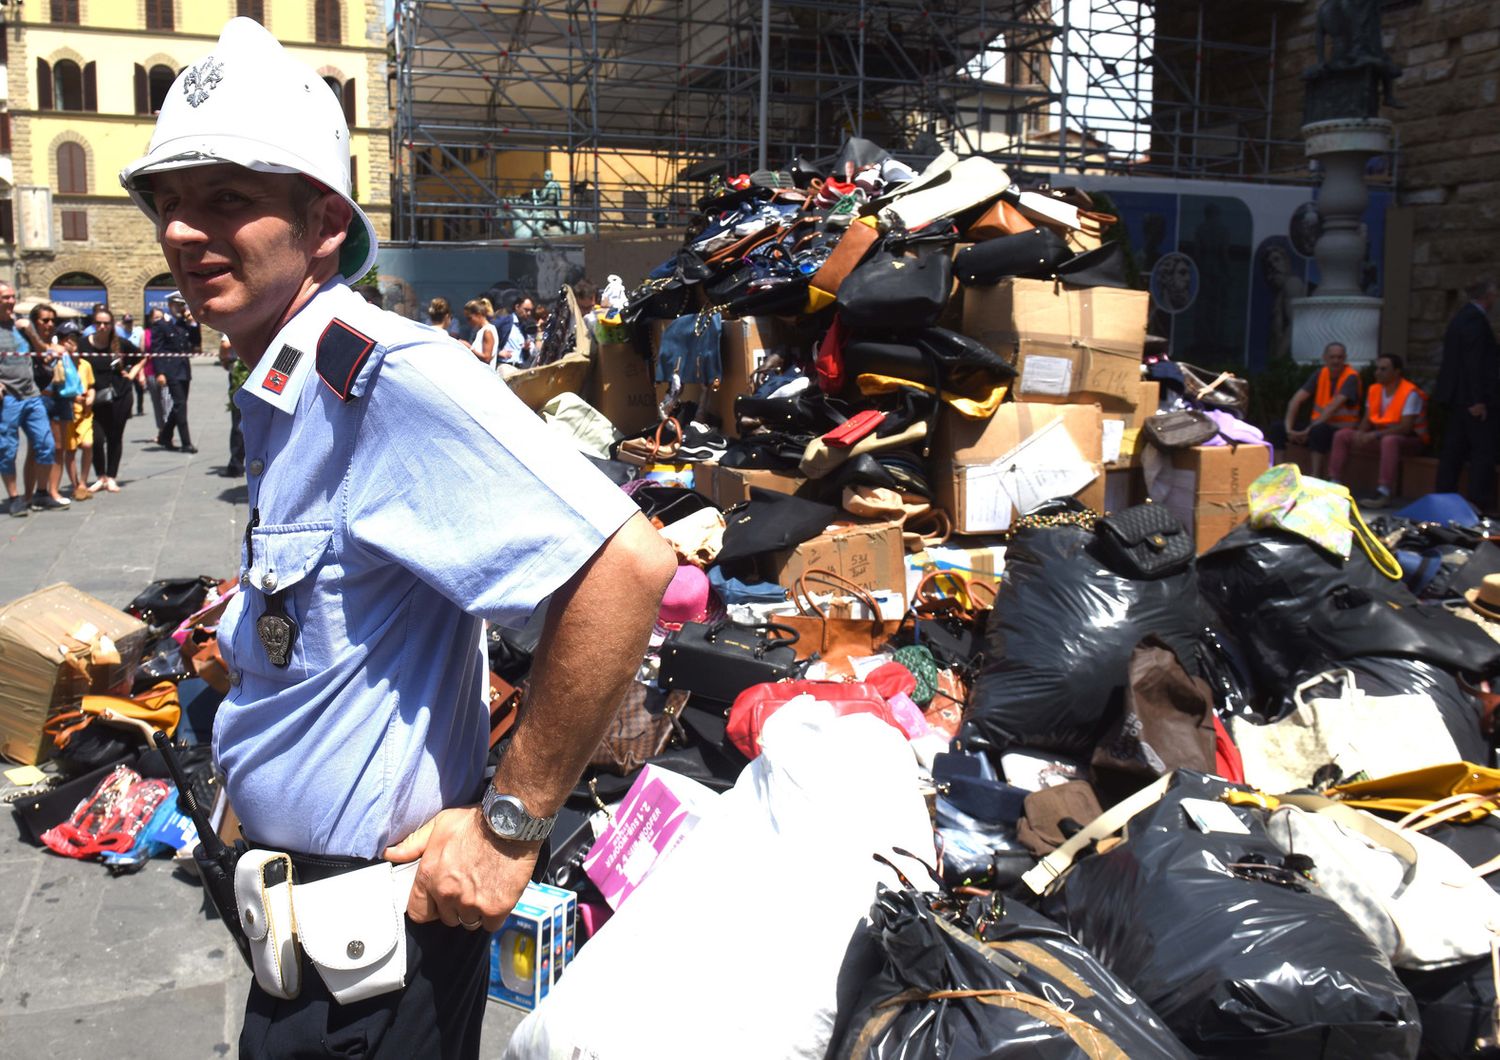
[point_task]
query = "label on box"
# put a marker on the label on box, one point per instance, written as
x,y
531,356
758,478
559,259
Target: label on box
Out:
x,y
1047,375
1114,435
657,813
1042,467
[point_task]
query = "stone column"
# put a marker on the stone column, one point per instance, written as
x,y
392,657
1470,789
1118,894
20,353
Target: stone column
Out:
x,y
1340,311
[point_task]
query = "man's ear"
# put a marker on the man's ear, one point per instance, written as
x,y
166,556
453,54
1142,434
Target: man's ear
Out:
x,y
331,225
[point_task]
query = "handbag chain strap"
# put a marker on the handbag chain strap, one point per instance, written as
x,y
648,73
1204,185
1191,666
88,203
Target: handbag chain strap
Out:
x,y
1085,519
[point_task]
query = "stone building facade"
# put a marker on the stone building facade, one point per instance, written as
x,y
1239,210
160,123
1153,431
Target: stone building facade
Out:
x,y
1447,163
83,80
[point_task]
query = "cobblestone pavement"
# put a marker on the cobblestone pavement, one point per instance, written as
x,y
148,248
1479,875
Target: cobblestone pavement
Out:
x,y
130,967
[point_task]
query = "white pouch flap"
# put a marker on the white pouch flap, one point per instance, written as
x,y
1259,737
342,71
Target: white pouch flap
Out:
x,y
266,915
353,928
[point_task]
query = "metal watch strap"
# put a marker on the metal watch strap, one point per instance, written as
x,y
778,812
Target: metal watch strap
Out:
x,y
533,829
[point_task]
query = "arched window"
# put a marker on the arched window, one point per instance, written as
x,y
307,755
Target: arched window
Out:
x,y
72,170
67,85
328,22
78,290
158,84
65,11
255,9
344,93
157,289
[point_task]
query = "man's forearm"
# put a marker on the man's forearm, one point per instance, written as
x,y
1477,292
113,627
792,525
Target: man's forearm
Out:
x,y
596,631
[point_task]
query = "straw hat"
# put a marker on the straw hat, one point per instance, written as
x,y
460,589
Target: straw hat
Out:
x,y
1486,598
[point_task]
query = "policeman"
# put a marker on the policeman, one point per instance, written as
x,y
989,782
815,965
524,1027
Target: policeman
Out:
x,y
176,335
399,495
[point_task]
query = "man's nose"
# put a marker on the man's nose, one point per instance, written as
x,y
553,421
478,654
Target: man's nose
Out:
x,y
182,231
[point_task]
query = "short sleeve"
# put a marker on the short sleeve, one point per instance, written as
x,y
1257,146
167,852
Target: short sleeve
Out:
x,y
1413,406
1350,390
1311,386
454,479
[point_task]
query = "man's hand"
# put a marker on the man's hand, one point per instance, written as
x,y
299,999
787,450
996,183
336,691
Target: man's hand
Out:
x,y
1477,411
1296,436
1365,437
468,877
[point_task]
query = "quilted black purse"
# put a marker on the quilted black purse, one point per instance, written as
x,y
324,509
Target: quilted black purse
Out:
x,y
722,660
1146,541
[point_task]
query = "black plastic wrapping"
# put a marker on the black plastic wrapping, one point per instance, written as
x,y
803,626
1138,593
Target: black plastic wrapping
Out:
x,y
1458,1009
1386,676
921,952
1239,968
1298,609
1058,644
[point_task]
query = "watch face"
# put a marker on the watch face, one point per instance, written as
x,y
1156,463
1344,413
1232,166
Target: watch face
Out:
x,y
505,817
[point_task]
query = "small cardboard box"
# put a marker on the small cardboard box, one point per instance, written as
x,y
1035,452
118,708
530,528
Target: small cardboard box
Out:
x,y
984,471
1123,437
623,387
744,345
49,641
521,954
869,554
728,486
656,815
537,386
1208,488
1069,344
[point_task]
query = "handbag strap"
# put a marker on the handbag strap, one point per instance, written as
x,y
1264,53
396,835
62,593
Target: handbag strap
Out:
x,y
802,596
1047,871
1445,809
1347,688
1375,548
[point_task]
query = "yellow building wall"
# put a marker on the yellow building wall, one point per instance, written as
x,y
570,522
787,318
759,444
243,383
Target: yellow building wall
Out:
x,y
290,20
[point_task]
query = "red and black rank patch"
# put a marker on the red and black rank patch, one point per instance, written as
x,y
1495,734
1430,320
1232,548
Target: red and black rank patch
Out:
x,y
281,369
342,352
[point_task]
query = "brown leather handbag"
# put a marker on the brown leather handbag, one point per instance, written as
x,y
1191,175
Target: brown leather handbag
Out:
x,y
656,447
643,726
1001,219
836,640
851,249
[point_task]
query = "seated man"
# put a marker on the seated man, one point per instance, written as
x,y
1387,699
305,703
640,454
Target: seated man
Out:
x,y
1394,424
1334,390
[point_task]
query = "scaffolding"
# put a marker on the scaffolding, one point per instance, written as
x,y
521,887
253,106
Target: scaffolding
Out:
x,y
552,119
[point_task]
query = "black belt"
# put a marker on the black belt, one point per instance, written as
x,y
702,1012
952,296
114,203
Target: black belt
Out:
x,y
310,868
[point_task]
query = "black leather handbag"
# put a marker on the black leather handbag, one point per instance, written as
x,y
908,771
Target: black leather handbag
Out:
x,y
720,661
897,293
1182,429
1146,541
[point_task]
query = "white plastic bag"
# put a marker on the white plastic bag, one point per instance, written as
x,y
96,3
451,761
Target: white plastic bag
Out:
x,y
732,948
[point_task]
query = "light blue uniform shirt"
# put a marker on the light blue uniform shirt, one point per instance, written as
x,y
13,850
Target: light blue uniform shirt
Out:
x,y
391,524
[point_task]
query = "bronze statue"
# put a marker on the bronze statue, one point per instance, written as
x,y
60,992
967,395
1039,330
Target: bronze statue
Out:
x,y
1353,28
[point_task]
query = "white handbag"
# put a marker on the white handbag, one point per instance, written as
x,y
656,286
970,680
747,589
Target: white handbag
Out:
x,y
1421,903
353,929
1357,732
968,183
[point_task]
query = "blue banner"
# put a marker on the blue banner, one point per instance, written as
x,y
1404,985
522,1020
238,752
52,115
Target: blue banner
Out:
x,y
82,299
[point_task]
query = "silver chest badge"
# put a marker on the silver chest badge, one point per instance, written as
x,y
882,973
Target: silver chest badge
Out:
x,y
201,80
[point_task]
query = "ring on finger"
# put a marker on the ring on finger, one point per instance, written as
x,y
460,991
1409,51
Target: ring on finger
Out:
x,y
471,927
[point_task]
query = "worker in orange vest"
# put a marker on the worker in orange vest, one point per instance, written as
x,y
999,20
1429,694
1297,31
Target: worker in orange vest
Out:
x,y
1394,424
1334,391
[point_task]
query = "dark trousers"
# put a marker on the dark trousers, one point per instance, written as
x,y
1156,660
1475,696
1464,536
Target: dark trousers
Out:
x,y
1468,437
109,435
438,1014
236,440
177,390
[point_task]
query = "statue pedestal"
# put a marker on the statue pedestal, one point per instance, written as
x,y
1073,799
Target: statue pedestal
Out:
x,y
1340,311
1353,320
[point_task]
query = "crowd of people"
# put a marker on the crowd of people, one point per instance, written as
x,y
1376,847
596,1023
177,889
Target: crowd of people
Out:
x,y
1335,417
69,388
507,335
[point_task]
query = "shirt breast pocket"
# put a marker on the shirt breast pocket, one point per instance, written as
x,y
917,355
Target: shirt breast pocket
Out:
x,y
289,573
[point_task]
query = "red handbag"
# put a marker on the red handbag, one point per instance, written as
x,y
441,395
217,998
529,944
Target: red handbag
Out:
x,y
758,702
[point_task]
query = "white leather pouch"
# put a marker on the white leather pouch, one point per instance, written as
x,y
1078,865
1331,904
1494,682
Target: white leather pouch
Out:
x,y
353,929
263,894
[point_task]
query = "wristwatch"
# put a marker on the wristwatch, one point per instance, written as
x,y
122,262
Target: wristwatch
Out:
x,y
508,818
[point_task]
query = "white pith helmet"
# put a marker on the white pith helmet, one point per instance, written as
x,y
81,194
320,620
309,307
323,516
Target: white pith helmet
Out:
x,y
251,104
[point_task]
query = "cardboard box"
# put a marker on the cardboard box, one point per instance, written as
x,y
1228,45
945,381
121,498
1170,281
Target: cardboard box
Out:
x,y
744,345
1123,437
869,554
1069,344
1207,488
728,486
977,564
623,387
983,470
51,656
521,954
537,386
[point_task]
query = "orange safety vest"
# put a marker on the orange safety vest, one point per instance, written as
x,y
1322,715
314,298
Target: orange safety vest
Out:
x,y
1385,413
1349,415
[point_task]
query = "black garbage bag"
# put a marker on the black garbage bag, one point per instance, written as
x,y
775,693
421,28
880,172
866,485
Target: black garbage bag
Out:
x,y
1387,676
1458,1009
1058,644
1297,609
1239,955
1041,994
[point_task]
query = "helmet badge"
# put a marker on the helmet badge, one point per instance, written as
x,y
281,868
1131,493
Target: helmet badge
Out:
x,y
201,80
